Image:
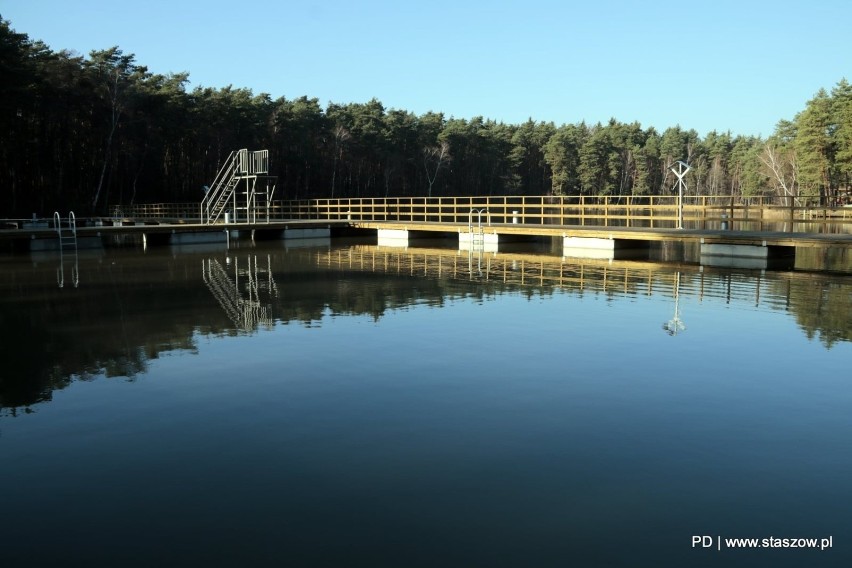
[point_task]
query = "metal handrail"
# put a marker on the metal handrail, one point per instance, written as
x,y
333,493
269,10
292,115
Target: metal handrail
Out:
x,y
260,162
218,188
479,223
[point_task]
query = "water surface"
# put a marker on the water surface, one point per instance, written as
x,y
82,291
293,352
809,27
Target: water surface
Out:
x,y
358,406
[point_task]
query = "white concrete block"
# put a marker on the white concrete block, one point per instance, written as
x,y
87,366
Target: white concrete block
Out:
x,y
592,243
323,242
593,253
319,233
478,246
748,263
744,251
476,238
197,238
393,234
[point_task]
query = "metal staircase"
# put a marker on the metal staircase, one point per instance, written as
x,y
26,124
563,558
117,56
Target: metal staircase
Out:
x,y
224,193
220,191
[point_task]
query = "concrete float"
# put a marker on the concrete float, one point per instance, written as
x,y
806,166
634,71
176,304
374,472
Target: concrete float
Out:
x,y
312,233
402,238
486,242
756,257
604,249
52,244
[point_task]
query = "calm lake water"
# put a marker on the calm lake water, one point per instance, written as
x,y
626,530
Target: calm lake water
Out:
x,y
362,406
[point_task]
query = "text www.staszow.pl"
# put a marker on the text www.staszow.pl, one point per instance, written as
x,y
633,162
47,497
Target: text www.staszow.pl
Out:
x,y
704,541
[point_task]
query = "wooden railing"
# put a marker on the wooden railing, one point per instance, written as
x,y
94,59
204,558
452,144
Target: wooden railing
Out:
x,y
163,211
652,212
706,212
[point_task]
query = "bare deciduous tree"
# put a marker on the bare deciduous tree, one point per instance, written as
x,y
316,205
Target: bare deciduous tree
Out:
x,y
434,157
782,165
341,136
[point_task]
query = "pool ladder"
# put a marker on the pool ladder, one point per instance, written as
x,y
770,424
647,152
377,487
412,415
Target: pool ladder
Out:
x,y
67,235
476,234
67,239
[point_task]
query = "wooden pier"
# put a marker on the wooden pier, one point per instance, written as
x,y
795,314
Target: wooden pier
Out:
x,y
701,236
599,227
152,232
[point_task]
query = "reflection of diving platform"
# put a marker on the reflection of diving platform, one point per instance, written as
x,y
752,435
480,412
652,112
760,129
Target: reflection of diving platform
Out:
x,y
239,290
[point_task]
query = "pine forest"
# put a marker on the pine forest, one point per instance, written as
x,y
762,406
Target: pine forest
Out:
x,y
99,131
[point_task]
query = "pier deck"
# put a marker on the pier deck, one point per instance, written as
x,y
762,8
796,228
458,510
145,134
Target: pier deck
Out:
x,y
703,236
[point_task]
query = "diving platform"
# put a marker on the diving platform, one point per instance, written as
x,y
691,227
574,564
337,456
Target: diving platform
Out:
x,y
242,190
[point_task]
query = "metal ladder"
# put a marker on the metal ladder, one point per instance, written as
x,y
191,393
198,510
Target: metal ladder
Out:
x,y
477,239
68,236
67,239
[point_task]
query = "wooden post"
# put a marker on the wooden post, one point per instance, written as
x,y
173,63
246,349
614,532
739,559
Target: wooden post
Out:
x,y
651,210
792,213
629,207
732,212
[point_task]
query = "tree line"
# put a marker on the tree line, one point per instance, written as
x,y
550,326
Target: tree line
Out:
x,y
91,133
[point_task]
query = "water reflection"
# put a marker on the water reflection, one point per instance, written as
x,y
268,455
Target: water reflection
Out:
x,y
675,325
74,262
239,292
126,309
357,405
496,272
477,255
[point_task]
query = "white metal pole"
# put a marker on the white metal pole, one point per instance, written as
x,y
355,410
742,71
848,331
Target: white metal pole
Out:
x,y
680,172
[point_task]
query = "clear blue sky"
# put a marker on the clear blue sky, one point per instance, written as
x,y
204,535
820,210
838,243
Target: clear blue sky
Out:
x,y
720,65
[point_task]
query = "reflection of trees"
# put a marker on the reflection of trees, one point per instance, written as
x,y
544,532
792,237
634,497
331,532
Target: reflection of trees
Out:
x,y
824,258
822,304
822,307
109,327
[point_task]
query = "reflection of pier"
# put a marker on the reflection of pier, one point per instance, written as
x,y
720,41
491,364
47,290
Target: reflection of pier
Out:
x,y
237,287
504,268
626,278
